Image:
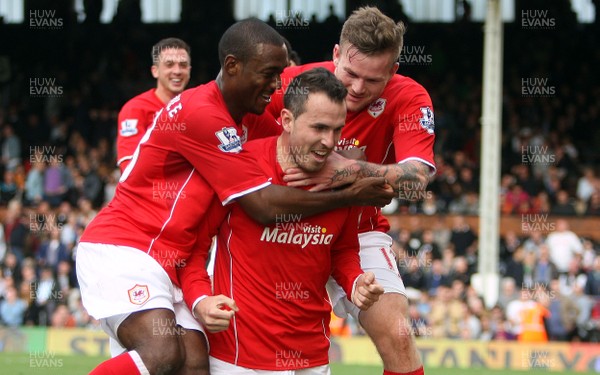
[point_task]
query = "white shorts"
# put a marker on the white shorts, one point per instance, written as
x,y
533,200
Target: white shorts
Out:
x,y
116,281
218,367
377,256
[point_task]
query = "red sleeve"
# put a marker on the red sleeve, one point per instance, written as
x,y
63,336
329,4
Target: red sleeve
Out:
x,y
414,136
212,145
193,278
345,262
132,124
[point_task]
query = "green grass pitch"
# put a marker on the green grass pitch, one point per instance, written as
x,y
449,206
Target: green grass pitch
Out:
x,y
25,364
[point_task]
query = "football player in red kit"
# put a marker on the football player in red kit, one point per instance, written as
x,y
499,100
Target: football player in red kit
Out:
x,y
171,66
390,117
277,273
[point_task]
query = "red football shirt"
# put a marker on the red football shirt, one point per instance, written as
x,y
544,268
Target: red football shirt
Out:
x,y
277,274
397,127
192,150
134,118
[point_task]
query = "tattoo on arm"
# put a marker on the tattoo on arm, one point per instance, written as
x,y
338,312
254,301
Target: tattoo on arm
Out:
x,y
412,175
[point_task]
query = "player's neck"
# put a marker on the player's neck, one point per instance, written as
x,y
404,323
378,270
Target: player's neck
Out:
x,y
284,157
236,114
163,94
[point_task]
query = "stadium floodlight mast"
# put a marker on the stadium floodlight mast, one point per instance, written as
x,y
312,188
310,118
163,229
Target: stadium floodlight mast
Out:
x,y
489,189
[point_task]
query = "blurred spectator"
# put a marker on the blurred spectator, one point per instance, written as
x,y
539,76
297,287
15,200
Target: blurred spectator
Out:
x,y
11,148
56,183
46,295
509,243
544,271
588,255
587,184
573,278
428,249
563,245
15,230
563,205
562,322
592,285
52,251
8,188
460,271
527,316
508,292
34,185
62,318
593,207
534,242
12,308
436,277
446,313
515,268
462,237
469,325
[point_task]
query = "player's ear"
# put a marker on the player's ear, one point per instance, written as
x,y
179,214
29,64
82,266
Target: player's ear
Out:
x,y
231,65
154,71
336,54
394,68
287,118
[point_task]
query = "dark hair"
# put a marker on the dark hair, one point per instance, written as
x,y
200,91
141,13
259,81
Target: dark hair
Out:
x,y
167,43
241,39
312,81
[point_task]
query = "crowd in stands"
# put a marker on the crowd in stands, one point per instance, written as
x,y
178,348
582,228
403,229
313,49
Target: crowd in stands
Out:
x,y
58,169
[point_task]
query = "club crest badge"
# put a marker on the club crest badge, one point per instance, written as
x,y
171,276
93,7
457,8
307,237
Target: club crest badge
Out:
x,y
230,141
377,107
139,294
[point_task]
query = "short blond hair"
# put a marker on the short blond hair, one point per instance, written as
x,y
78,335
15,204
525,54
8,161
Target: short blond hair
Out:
x,y
372,32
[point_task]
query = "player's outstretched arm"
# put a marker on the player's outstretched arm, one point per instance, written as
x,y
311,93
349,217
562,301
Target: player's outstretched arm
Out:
x,y
270,203
367,291
215,312
412,174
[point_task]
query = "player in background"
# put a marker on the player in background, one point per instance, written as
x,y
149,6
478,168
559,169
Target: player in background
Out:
x,y
171,66
284,266
130,257
390,117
